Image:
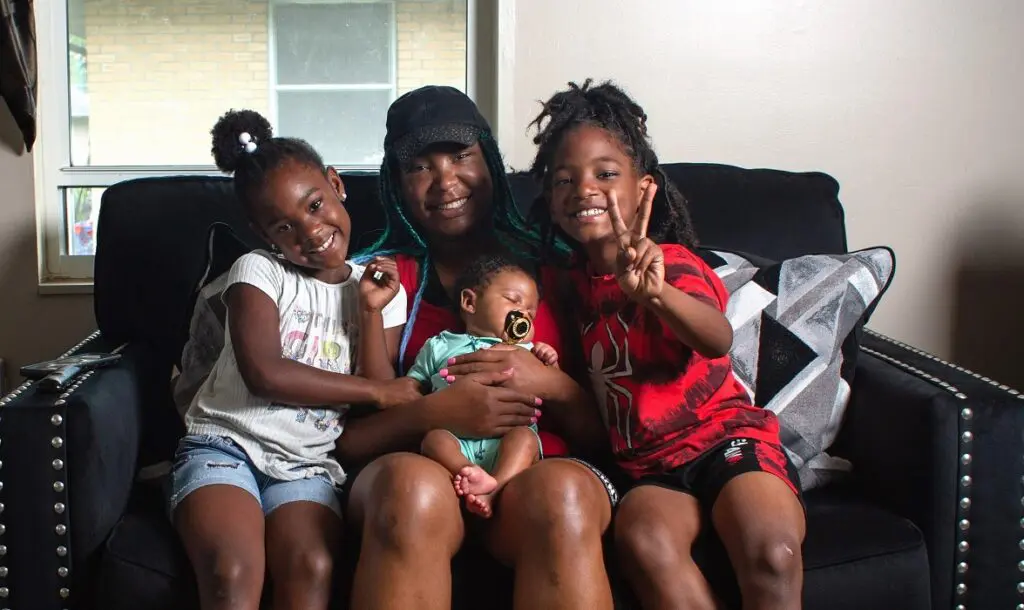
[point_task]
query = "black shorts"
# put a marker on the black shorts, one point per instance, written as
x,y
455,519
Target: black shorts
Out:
x,y
705,477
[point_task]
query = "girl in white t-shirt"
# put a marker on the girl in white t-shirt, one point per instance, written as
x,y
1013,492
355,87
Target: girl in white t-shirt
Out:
x,y
254,487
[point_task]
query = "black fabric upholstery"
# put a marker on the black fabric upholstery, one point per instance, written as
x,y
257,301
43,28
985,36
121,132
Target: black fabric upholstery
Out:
x,y
930,490
898,431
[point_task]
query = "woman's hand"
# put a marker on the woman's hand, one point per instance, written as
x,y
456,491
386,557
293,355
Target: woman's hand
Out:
x,y
529,372
375,294
476,406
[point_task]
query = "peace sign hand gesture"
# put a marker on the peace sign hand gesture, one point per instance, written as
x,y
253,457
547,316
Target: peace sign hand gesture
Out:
x,y
640,266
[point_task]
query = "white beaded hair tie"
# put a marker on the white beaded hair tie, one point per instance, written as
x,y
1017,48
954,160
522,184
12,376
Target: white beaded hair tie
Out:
x,y
247,141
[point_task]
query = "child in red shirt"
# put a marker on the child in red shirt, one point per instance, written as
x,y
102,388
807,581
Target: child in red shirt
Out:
x,y
656,341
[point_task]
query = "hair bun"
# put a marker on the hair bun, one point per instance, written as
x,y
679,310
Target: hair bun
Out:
x,y
228,149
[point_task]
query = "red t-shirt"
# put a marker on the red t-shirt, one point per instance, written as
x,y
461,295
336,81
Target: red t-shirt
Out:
x,y
664,404
439,315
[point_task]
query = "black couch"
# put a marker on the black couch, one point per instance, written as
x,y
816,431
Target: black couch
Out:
x,y
931,516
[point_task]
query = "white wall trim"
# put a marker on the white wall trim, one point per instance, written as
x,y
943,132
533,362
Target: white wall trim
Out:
x,y
505,116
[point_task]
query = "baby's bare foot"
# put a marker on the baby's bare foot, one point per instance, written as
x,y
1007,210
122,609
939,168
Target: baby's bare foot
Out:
x,y
480,505
457,484
474,480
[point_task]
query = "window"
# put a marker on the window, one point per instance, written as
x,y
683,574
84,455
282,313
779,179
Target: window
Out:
x,y
132,90
333,65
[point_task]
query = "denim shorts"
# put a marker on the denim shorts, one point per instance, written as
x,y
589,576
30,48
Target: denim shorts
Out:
x,y
203,460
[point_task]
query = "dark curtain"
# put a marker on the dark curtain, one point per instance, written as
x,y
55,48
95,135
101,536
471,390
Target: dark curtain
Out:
x,y
18,76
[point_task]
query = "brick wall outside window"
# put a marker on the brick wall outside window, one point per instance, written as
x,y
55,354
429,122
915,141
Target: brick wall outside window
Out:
x,y
160,72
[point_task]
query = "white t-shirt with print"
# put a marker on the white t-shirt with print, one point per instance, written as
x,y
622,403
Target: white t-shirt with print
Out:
x,y
319,326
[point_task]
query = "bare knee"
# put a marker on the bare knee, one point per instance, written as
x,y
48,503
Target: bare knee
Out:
x,y
772,563
311,567
556,503
230,576
521,434
409,503
521,437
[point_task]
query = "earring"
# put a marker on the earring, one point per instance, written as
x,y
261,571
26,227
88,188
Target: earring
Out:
x,y
276,251
344,196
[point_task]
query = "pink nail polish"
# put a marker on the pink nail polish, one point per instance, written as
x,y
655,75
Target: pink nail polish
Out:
x,y
443,372
536,413
538,401
450,378
533,420
451,361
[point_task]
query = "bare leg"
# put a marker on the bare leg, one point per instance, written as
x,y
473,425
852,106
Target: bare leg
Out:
x,y
467,477
222,529
548,525
411,527
655,529
302,540
442,447
761,524
518,450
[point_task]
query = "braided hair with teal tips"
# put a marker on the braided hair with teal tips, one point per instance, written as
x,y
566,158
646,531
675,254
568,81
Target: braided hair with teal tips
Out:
x,y
401,236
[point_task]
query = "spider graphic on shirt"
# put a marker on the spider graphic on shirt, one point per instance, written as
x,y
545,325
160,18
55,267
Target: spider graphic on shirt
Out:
x,y
614,400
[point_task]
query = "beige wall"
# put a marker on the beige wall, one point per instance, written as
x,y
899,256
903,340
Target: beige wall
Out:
x,y
916,107
32,327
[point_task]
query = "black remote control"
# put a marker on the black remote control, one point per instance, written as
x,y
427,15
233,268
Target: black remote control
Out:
x,y
55,382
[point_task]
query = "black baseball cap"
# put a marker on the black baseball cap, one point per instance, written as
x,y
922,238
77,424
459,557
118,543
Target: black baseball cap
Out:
x,y
429,115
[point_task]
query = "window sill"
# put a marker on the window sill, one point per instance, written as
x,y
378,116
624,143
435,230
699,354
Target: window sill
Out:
x,y
59,287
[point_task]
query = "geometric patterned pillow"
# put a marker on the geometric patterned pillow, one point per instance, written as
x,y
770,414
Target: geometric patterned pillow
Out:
x,y
796,326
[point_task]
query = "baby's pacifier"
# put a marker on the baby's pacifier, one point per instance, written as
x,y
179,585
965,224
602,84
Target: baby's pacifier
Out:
x,y
517,326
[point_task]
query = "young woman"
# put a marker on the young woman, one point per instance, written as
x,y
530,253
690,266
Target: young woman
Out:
x,y
448,202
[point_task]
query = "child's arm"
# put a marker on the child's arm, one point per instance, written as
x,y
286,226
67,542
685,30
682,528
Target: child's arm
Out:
x,y
686,303
253,321
379,337
702,327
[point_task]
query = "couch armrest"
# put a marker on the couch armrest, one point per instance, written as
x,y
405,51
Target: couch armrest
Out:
x,y
68,465
943,446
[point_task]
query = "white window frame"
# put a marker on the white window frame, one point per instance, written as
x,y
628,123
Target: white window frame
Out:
x,y
63,273
276,87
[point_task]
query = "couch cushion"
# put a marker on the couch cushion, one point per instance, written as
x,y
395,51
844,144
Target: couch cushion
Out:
x,y
796,325
856,556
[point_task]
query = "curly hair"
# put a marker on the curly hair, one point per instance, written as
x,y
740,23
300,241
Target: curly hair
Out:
x,y
482,270
610,108
250,169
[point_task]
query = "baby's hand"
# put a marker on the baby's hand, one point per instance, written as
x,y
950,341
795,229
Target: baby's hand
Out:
x,y
376,292
545,353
